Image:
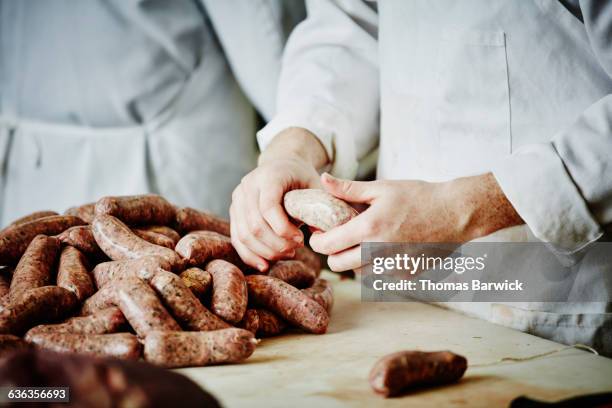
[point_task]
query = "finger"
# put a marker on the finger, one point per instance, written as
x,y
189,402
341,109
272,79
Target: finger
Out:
x,y
343,237
348,190
245,254
272,211
345,260
260,230
252,229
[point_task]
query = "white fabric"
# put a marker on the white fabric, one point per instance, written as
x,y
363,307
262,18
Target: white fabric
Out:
x,y
520,88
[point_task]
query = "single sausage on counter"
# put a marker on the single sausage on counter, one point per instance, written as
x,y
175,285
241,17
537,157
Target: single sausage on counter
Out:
x,y
183,304
317,208
36,306
102,299
86,212
155,238
143,209
190,349
198,280
201,246
15,240
10,343
124,346
189,219
287,302
229,291
119,242
82,239
295,273
262,323
35,266
321,292
144,268
397,372
109,320
73,273
30,217
310,258
142,308
164,230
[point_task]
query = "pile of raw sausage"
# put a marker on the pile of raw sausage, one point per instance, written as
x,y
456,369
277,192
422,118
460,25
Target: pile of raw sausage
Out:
x,y
136,277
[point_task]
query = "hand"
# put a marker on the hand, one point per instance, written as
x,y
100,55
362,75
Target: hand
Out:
x,y
260,228
413,211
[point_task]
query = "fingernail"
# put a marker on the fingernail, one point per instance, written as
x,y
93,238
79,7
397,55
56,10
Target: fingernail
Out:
x,y
297,238
261,267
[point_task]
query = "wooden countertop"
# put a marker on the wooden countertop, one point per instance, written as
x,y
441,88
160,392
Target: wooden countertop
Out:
x,y
331,370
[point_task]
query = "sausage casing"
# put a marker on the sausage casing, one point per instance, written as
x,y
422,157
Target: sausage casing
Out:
x,y
198,247
144,268
185,349
262,323
310,258
198,280
317,208
34,267
183,303
142,308
155,238
287,302
73,274
30,217
82,239
189,219
321,292
397,372
295,273
102,299
143,209
119,345
86,212
119,242
164,230
15,240
229,291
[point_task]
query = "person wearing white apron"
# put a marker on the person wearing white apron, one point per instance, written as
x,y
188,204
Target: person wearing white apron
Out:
x,y
113,97
491,116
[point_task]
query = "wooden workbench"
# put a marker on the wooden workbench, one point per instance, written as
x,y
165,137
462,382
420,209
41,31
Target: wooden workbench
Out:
x,y
301,370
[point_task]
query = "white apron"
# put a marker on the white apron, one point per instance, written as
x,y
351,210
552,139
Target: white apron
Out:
x,y
194,152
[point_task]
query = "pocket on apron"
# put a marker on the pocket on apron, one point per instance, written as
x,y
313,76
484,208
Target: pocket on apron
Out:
x,y
473,114
54,166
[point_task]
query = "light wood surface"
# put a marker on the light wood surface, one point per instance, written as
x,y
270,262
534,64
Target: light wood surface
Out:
x,y
302,370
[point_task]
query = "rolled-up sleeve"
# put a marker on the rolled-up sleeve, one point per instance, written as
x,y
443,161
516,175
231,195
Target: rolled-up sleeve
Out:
x,y
563,189
329,82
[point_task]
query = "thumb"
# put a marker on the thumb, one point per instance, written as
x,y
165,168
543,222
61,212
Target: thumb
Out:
x,y
348,190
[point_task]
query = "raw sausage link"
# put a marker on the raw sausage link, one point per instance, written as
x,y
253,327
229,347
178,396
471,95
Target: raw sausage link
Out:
x,y
185,349
73,274
183,303
82,239
15,240
102,299
295,273
229,291
287,302
144,268
397,372
34,267
317,208
155,238
5,285
262,323
142,308
138,209
105,321
310,258
321,292
198,280
162,229
36,306
189,219
119,242
10,343
30,217
86,212
201,246
119,345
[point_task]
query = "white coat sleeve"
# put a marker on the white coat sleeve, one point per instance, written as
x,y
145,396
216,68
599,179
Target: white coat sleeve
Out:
x,y
563,189
329,82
